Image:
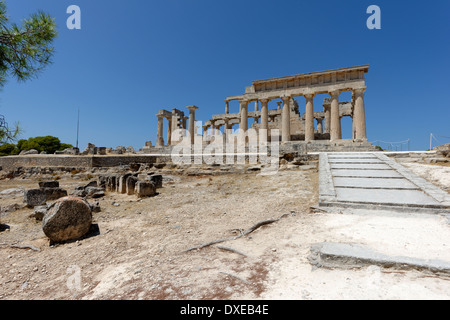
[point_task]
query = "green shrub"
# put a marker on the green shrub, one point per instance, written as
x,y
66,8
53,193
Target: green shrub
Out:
x,y
48,144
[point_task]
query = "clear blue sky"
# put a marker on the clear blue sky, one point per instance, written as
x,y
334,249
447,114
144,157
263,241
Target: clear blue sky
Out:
x,y
132,58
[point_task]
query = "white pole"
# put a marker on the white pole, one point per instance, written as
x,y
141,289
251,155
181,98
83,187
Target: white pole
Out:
x,y
431,136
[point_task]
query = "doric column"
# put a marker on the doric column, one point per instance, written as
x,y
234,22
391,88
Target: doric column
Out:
x,y
327,110
319,125
175,126
227,107
265,114
160,132
226,128
213,127
286,119
205,129
243,124
309,118
169,131
184,122
335,123
192,122
360,114
353,121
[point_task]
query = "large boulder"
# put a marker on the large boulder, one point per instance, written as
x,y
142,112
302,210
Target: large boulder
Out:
x,y
67,219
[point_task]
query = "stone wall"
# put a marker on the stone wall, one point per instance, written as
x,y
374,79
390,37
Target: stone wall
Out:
x,y
13,162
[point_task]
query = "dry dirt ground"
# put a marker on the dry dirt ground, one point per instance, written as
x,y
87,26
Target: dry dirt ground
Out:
x,y
138,253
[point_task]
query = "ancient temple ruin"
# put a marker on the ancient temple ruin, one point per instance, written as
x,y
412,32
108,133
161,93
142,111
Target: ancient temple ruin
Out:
x,y
319,130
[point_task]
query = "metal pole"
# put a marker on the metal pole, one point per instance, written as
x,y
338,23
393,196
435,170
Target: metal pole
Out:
x,y
78,125
431,136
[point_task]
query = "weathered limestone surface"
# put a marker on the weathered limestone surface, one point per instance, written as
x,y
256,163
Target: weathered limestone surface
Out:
x,y
48,191
145,189
67,219
131,184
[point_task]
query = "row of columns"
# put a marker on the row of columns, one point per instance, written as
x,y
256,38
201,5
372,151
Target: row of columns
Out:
x,y
332,117
173,121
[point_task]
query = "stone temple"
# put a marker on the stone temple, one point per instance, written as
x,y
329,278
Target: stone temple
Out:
x,y
300,127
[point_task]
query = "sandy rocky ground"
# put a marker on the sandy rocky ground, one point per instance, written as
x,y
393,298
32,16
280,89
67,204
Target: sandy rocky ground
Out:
x,y
138,253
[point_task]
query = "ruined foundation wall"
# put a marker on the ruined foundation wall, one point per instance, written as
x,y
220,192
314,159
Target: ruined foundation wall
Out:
x,y
13,162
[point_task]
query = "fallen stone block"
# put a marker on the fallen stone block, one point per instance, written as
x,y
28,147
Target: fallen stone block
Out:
x,y
35,197
123,183
111,183
54,193
49,184
345,255
101,181
131,184
157,180
94,192
145,189
69,218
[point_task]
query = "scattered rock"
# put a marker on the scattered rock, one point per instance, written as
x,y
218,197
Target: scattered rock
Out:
x,y
157,180
39,213
94,192
54,193
35,197
70,151
9,193
95,207
121,150
10,208
49,184
69,218
29,152
135,167
254,168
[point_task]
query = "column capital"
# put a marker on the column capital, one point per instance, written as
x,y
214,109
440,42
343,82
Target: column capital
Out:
x,y
244,101
264,101
359,91
160,116
192,108
309,96
334,93
286,98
